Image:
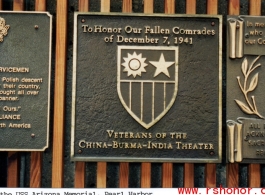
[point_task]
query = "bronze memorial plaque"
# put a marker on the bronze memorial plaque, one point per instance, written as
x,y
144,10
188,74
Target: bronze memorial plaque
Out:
x,y
245,89
25,60
146,88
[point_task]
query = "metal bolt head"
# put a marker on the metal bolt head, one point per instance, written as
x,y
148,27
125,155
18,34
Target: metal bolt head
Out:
x,y
36,27
212,23
79,151
83,20
237,26
212,153
32,135
247,35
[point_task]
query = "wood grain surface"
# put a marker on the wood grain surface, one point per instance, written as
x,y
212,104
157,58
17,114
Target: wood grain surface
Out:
x,y
124,175
146,167
127,6
101,175
254,175
124,166
169,6
167,168
36,157
212,7
40,5
18,5
190,6
232,174
210,169
80,167
59,95
233,7
210,175
35,169
13,169
146,175
148,6
83,5
105,6
14,157
188,181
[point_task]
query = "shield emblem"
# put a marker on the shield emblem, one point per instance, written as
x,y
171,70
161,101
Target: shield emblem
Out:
x,y
147,81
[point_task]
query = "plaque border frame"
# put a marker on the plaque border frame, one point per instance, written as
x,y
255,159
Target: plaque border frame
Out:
x,y
132,159
49,80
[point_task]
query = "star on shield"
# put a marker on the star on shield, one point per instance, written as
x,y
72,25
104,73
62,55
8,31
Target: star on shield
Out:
x,y
161,65
147,86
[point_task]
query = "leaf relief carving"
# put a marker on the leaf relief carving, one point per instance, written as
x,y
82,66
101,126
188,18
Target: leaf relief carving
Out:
x,y
244,66
244,107
253,82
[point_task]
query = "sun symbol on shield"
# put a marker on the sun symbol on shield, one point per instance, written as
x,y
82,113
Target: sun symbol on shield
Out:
x,y
134,64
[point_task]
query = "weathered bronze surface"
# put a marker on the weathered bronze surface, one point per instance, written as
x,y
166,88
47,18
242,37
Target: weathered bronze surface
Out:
x,y
25,59
146,88
245,89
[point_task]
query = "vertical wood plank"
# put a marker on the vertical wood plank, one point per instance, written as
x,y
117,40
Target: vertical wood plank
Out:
x,y
210,169
212,7
83,5
124,166
233,7
36,157
189,167
188,175
191,6
13,170
101,175
124,175
18,5
102,166
13,157
167,168
232,174
146,167
127,6
35,169
59,94
146,175
210,175
1,4
169,6
148,6
80,167
80,170
167,175
105,6
40,5
254,176
255,7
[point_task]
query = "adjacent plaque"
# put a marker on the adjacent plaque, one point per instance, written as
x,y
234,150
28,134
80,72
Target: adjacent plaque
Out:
x,y
25,60
146,88
245,89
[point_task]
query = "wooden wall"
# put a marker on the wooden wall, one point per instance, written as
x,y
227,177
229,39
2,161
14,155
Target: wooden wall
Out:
x,y
53,167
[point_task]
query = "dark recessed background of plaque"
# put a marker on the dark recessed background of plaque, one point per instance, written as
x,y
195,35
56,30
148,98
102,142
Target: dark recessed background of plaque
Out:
x,y
26,45
98,108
